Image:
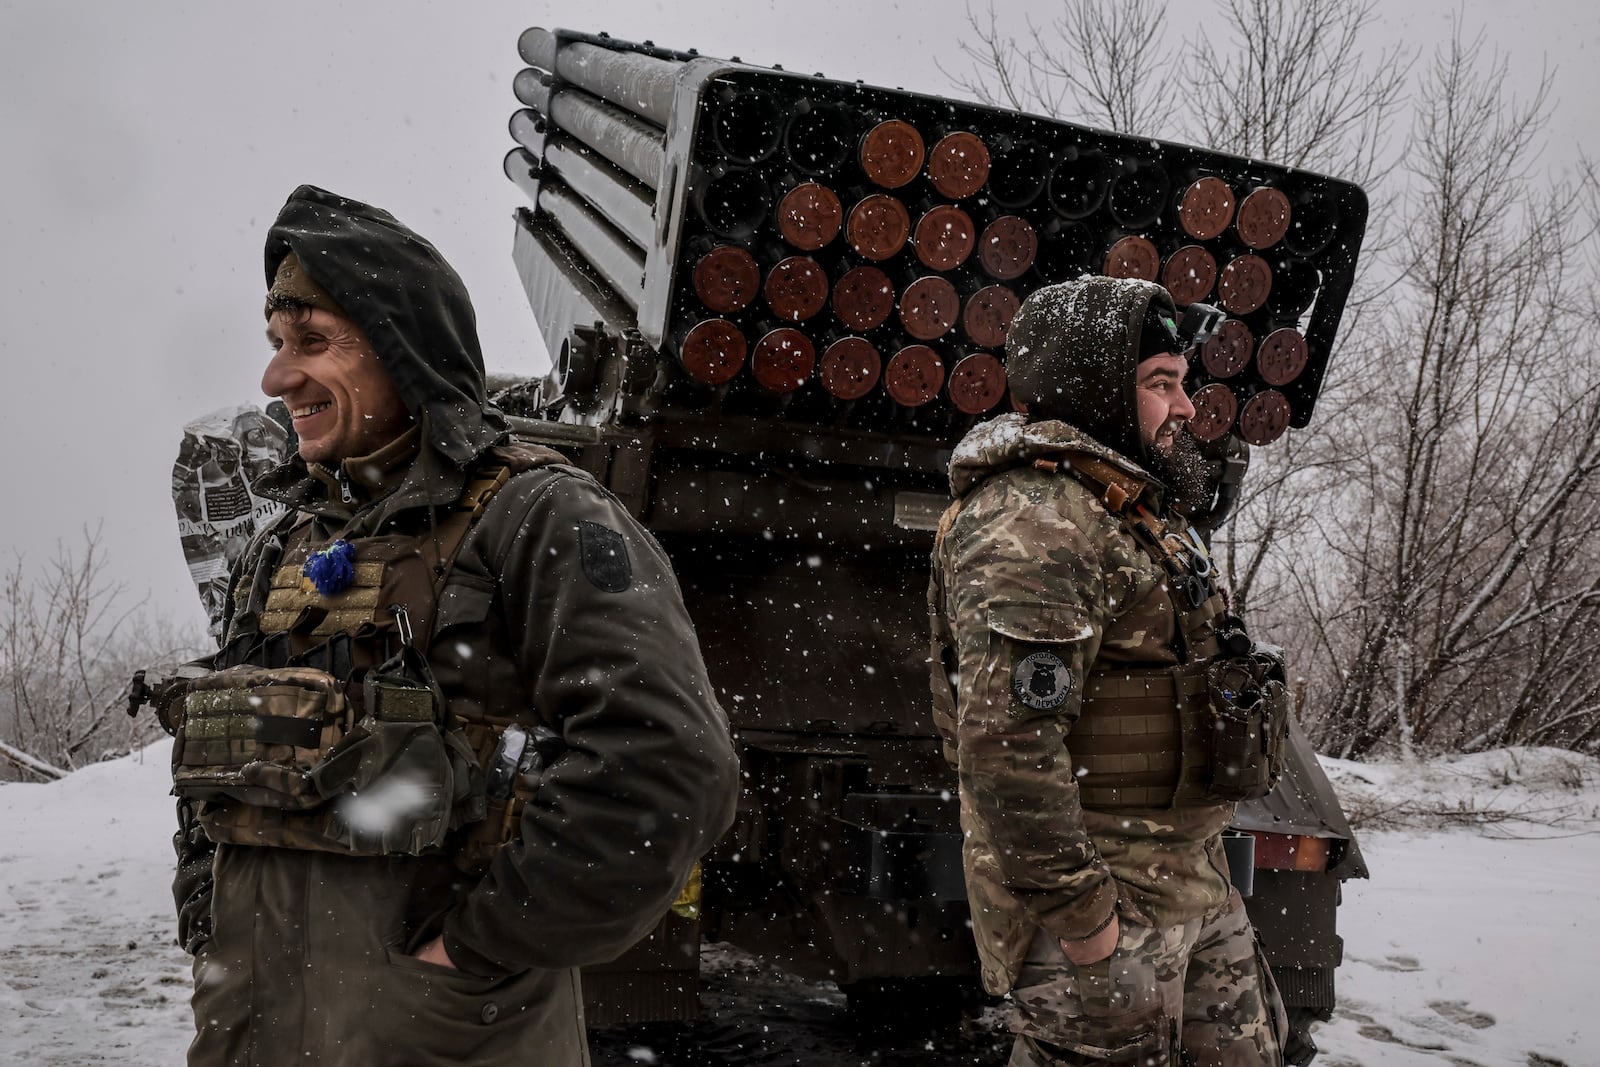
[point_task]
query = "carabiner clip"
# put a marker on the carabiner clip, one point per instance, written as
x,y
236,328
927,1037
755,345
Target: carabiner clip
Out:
x,y
402,622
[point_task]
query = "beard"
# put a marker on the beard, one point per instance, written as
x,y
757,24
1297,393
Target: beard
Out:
x,y
1185,473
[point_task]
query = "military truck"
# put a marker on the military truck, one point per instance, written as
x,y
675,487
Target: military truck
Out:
x,y
773,303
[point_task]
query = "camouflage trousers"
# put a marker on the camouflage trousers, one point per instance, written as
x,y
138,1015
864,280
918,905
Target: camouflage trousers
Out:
x,y
1196,994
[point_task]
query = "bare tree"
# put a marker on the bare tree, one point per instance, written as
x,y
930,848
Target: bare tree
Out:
x,y
1296,83
1279,501
69,641
1474,469
1102,66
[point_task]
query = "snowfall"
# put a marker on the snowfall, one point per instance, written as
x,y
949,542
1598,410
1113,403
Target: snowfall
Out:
x,y
1475,942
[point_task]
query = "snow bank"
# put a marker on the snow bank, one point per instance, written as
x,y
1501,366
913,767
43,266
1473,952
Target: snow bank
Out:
x,y
1475,942
89,972
1515,790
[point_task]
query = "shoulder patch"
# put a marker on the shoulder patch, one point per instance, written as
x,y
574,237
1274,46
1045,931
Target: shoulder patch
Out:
x,y
1041,681
604,555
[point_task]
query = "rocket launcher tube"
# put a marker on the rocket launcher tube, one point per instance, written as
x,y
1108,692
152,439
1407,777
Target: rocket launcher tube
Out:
x,y
625,203
533,88
629,142
608,252
642,84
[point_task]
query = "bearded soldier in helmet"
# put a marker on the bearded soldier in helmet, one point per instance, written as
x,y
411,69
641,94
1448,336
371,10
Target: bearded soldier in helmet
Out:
x,y
1102,708
459,740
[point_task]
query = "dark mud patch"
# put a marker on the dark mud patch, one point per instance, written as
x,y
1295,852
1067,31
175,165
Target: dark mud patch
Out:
x,y
753,1015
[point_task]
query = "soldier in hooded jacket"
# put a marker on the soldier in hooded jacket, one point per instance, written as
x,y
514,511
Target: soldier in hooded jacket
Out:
x,y
460,740
1069,690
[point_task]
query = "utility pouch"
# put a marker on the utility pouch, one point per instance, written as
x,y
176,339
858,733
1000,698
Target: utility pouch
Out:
x,y
397,786
281,760
428,781
254,734
1250,702
516,760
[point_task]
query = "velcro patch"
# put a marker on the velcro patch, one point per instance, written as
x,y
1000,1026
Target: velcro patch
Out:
x,y
1041,681
604,555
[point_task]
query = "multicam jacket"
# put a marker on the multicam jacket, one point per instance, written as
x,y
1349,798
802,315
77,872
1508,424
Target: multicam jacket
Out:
x,y
1031,567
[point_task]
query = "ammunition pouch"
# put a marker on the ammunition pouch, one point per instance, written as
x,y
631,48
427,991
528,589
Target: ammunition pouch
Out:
x,y
254,734
1198,733
278,757
1250,704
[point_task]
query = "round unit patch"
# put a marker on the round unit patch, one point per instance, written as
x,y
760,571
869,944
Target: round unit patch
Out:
x,y
1041,681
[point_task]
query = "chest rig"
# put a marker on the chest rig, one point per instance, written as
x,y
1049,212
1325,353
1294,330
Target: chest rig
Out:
x,y
1141,737
322,727
1206,730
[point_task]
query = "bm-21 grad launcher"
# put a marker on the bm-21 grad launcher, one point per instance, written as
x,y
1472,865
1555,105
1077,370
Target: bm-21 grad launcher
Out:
x,y
773,303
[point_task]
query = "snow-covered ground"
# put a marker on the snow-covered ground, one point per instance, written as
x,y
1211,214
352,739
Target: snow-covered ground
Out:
x,y
1476,942
88,970
1477,939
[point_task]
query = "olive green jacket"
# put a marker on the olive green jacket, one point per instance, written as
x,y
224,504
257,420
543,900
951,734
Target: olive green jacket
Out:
x,y
304,956
560,611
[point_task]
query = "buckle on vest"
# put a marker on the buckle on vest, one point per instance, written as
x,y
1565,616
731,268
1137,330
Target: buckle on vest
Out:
x,y
479,491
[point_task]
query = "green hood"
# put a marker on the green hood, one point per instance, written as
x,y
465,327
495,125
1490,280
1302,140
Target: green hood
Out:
x,y
1072,353
1011,440
409,302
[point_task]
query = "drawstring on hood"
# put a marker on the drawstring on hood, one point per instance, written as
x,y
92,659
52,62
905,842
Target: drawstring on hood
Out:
x,y
1073,351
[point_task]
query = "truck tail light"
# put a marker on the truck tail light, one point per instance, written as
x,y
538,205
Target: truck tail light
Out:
x,y
1290,852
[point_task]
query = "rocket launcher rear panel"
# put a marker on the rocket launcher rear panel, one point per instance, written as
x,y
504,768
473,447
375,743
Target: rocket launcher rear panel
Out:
x,y
716,240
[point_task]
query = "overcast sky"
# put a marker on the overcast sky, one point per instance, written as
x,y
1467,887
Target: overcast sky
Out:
x,y
146,147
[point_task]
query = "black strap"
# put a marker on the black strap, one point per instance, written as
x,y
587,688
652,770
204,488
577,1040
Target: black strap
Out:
x,y
287,730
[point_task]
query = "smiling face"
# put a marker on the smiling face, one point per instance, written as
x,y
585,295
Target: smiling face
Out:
x,y
1163,405
326,372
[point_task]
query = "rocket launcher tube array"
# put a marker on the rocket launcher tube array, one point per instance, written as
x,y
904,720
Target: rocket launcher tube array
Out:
x,y
620,263
858,239
607,248
605,206
589,191
626,204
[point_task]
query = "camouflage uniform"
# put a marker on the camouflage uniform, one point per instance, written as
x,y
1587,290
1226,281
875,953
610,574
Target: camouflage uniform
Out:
x,y
1204,974
1035,583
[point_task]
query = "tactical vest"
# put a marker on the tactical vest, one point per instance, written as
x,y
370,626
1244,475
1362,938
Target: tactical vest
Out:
x,y
322,727
1207,730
